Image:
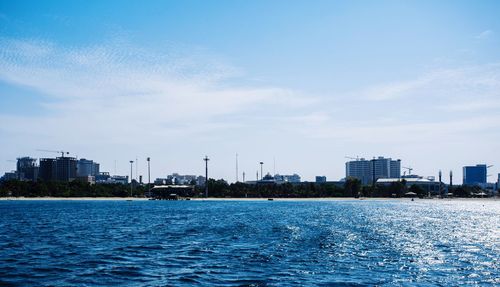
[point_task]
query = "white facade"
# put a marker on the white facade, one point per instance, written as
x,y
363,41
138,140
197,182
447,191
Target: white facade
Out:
x,y
294,178
367,170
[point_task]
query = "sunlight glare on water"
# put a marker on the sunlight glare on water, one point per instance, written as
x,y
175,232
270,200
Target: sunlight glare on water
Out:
x,y
259,243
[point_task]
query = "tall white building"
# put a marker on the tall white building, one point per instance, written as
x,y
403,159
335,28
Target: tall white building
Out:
x,y
368,170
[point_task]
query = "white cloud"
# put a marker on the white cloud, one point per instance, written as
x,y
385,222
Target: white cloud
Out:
x,y
484,35
463,84
115,99
116,82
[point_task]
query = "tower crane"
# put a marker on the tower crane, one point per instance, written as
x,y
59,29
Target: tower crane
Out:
x,y
408,168
56,151
354,158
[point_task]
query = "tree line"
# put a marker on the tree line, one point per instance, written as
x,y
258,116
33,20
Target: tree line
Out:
x,y
220,188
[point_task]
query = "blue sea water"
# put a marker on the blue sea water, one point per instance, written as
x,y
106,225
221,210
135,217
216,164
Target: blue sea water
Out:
x,y
249,243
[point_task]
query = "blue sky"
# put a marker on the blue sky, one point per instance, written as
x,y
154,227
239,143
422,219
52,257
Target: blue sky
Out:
x,y
303,82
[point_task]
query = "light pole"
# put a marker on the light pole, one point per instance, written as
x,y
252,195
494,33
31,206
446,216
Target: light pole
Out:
x,y
149,176
261,164
131,162
206,159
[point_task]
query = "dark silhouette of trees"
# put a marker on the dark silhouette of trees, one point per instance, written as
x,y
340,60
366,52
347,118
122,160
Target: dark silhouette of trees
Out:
x,y
220,188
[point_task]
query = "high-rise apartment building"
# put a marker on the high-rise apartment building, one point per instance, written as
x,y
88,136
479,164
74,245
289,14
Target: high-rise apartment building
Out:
x,y
58,169
65,168
85,167
47,170
369,170
27,168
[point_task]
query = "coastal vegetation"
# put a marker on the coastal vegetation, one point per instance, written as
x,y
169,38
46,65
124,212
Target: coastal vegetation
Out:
x,y
221,189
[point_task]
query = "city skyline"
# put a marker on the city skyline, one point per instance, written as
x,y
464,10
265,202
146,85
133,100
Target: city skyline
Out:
x,y
270,81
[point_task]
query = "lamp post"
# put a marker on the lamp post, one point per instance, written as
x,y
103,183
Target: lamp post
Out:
x,y
206,159
131,162
149,176
261,164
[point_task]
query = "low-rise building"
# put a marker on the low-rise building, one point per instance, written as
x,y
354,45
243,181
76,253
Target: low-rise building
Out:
x,y
179,179
427,184
12,175
320,179
106,178
475,175
294,178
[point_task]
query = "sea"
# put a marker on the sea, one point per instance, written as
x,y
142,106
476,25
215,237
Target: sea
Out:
x,y
250,243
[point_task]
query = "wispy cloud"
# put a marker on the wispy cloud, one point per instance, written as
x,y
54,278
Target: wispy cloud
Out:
x,y
120,96
485,34
453,85
116,82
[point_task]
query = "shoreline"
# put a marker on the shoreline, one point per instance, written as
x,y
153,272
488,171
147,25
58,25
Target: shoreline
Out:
x,y
245,199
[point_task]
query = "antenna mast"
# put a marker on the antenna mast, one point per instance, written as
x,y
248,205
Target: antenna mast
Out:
x,y
237,167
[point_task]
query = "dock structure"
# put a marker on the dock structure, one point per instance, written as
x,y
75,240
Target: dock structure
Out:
x,y
172,192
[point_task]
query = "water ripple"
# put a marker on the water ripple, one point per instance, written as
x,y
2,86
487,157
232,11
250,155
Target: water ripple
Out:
x,y
259,243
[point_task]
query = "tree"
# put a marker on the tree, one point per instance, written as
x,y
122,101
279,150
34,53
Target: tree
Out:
x,y
352,187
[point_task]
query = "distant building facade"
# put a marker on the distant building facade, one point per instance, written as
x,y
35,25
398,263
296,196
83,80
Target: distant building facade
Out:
x,y
27,168
65,168
85,167
179,179
294,178
429,185
106,178
320,179
475,175
12,175
368,170
47,169
58,169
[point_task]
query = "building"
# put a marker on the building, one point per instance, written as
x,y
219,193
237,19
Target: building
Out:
x,y
179,179
47,169
102,177
430,186
369,170
277,179
475,175
58,169
85,167
105,178
320,179
10,176
498,182
162,181
294,178
27,168
65,168
120,179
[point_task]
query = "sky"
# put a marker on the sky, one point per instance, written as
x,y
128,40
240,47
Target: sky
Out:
x,y
298,85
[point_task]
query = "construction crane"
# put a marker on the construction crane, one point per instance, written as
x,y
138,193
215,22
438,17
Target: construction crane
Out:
x,y
350,157
408,168
56,151
488,167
